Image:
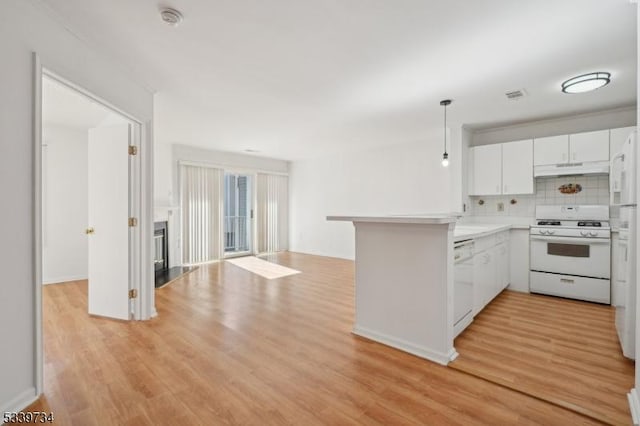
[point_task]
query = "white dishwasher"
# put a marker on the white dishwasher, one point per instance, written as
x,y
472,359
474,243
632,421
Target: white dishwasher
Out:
x,y
463,285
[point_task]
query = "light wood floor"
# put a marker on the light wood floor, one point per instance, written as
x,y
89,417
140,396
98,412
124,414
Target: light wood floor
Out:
x,y
559,350
230,347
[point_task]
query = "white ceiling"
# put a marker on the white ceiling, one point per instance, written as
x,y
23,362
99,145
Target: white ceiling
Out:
x,y
62,106
299,78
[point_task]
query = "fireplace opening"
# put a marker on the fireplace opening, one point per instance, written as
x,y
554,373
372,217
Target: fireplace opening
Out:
x,y
165,274
161,243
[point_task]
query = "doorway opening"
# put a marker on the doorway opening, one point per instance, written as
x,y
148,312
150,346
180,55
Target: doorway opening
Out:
x,y
238,214
88,210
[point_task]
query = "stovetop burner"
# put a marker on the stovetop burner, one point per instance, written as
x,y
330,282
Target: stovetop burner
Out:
x,y
549,222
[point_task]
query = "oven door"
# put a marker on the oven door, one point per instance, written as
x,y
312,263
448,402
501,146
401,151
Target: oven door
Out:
x,y
586,257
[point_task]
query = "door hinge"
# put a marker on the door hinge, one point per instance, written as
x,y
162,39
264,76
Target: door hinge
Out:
x,y
133,221
133,150
133,293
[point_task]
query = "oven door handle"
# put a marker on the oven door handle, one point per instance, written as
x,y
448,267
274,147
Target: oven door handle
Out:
x,y
571,240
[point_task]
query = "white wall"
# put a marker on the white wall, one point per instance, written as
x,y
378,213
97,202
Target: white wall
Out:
x,y
399,179
64,204
609,119
25,28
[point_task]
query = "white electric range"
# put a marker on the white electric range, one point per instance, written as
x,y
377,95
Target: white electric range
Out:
x,y
571,252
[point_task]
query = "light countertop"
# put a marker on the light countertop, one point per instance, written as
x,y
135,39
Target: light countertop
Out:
x,y
478,230
462,231
432,219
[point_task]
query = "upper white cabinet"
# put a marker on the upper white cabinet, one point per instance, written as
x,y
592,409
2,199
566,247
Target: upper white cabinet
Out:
x,y
617,138
517,167
551,150
505,168
486,164
589,146
575,148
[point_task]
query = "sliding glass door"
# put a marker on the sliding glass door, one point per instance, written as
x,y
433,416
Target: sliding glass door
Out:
x,y
238,213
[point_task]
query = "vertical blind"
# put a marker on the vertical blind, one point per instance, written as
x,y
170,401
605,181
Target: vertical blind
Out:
x,y
201,199
272,211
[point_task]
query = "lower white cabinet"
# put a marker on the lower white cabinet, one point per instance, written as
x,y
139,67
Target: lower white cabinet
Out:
x,y
519,260
490,269
483,278
502,266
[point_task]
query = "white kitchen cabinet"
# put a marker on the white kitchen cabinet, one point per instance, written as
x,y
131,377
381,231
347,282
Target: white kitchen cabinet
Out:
x,y
617,138
502,267
490,269
589,146
505,168
484,274
519,260
486,165
517,167
574,148
551,150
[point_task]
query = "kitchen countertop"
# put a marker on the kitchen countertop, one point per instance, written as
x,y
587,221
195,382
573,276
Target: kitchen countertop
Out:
x,y
418,219
478,230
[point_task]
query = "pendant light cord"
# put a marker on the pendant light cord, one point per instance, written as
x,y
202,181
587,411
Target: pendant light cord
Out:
x,y
445,128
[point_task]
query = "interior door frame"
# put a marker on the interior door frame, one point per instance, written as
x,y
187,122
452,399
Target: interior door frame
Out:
x,y
141,274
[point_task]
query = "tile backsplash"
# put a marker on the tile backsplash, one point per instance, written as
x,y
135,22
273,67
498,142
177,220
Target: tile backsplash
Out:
x,y
595,190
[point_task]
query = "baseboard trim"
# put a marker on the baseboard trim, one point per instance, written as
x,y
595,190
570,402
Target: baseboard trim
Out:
x,y
417,350
20,402
634,406
59,280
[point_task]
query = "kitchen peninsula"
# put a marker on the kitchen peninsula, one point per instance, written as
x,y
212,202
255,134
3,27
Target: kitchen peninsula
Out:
x,y
404,282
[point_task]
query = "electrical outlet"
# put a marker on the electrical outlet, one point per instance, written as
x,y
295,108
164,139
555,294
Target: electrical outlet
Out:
x,y
500,207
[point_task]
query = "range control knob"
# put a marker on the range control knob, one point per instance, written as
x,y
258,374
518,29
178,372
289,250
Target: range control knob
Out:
x,y
584,233
593,234
551,232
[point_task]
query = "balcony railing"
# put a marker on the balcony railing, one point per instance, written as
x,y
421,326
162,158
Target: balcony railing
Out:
x,y
235,232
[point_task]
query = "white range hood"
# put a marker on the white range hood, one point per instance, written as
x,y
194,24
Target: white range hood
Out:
x,y
587,168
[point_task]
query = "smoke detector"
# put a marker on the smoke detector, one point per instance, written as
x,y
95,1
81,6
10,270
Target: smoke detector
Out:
x,y
514,95
171,16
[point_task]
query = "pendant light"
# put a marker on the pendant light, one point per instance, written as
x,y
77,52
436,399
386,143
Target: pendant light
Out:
x,y
445,156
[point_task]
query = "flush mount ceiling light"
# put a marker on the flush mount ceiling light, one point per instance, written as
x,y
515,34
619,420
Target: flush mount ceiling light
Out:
x,y
445,156
171,16
586,82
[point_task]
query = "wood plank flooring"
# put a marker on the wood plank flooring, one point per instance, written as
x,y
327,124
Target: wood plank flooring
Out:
x,y
230,347
558,350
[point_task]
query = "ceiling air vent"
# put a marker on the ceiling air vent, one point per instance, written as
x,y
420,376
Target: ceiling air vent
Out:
x,y
516,94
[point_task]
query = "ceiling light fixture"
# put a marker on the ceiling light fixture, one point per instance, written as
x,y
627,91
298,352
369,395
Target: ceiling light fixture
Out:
x,y
171,16
445,156
586,82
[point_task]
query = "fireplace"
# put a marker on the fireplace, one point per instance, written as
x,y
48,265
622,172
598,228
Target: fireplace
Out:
x,y
161,244
165,274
